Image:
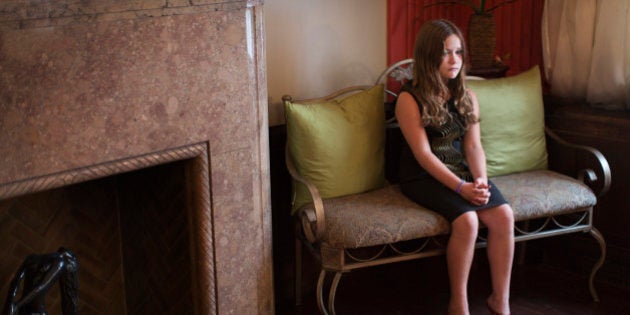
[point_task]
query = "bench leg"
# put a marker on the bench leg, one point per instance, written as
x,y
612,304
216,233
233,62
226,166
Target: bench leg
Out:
x,y
602,244
331,294
298,272
522,246
320,295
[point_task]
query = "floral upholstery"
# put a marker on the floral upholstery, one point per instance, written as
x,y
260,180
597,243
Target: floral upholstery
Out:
x,y
378,217
544,193
386,216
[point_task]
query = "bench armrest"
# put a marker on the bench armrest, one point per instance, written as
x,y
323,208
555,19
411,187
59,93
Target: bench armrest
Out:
x,y
587,175
313,224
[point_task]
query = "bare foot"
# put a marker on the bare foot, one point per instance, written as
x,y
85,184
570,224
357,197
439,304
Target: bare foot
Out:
x,y
498,306
457,309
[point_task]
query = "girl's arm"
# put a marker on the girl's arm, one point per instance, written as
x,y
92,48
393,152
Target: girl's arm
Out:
x,y
410,121
476,157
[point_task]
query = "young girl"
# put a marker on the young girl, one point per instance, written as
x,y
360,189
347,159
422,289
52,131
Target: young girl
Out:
x,y
443,166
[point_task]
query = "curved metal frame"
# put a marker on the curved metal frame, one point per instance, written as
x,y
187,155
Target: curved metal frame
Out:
x,y
400,72
602,245
564,226
375,256
395,69
522,232
419,249
587,175
321,305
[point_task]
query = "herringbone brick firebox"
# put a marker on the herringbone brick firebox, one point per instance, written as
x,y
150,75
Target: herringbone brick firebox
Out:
x,y
131,233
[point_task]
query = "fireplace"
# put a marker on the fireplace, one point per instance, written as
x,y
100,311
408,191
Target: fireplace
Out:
x,y
135,133
133,230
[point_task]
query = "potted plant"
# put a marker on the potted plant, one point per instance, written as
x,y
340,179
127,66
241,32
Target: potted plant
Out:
x,y
481,29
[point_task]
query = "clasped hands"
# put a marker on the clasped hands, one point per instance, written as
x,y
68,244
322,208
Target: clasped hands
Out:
x,y
477,192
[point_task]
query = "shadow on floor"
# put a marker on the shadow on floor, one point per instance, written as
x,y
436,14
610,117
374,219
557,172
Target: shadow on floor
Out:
x,y
421,287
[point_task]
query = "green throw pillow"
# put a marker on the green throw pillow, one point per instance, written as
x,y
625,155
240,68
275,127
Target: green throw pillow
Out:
x,y
512,122
338,145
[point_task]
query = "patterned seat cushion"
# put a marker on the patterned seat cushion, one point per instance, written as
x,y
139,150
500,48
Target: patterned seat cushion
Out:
x,y
378,217
543,193
386,216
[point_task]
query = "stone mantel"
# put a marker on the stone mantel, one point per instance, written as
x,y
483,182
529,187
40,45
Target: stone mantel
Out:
x,y
63,11
90,83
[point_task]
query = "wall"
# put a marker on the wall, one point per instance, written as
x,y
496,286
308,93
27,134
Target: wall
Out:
x,y
317,47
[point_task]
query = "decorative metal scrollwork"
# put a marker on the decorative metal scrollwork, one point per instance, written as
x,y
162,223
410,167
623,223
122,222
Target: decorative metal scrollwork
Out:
x,y
378,254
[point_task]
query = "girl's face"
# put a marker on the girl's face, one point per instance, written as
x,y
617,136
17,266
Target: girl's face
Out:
x,y
451,58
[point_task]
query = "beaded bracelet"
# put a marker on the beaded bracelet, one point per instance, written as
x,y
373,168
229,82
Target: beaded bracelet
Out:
x,y
459,187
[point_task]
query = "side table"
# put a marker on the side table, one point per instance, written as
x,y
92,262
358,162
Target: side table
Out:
x,y
498,71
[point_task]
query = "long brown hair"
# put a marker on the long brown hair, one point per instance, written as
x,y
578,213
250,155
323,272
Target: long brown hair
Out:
x,y
428,86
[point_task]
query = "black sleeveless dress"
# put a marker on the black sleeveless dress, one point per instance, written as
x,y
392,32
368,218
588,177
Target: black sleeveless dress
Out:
x,y
418,185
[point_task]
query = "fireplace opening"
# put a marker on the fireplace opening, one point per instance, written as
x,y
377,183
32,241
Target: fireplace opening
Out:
x,y
134,235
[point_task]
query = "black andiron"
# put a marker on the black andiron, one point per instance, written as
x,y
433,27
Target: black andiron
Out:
x,y
39,273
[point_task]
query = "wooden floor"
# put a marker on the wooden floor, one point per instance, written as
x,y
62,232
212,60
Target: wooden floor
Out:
x,y
420,287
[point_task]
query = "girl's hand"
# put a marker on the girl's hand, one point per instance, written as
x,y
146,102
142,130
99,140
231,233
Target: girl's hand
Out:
x,y
481,182
477,193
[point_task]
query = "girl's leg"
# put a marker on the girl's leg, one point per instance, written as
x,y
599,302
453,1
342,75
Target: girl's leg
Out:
x,y
459,256
500,223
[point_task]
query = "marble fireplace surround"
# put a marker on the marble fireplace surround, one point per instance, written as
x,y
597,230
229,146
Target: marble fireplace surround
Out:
x,y
90,89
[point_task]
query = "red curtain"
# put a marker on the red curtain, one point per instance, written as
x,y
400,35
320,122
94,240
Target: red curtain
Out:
x,y
517,23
